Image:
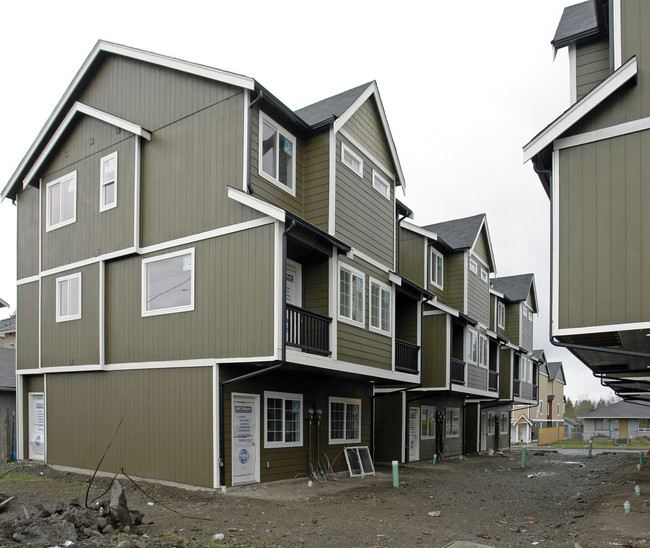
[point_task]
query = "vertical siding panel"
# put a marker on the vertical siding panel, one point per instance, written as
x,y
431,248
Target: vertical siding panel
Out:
x,y
589,273
645,222
603,233
633,218
618,199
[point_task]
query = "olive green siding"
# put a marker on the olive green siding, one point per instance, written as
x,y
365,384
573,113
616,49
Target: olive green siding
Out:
x,y
526,333
316,180
389,438
233,304
74,342
31,383
27,239
604,254
412,248
476,376
434,350
364,217
505,374
27,327
592,65
366,128
93,233
166,432
455,281
478,297
481,249
513,321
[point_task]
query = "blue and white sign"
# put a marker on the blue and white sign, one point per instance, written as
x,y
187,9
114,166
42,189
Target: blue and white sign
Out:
x,y
245,466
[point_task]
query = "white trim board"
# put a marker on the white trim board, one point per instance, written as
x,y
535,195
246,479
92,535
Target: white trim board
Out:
x,y
366,153
610,132
419,230
256,204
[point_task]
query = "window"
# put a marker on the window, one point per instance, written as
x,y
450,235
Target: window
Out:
x,y
484,351
68,298
168,283
501,315
108,182
472,346
540,410
452,422
490,424
283,419
473,266
380,314
380,184
345,420
277,158
558,409
503,423
61,198
351,295
437,268
530,315
428,422
644,425
350,159
484,275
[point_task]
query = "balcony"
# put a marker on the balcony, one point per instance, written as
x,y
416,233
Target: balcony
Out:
x,y
516,388
493,381
406,356
457,371
308,330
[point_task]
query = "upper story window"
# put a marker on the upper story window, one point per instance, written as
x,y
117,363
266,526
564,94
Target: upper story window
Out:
x,y
283,419
277,161
61,201
380,184
437,268
501,315
472,346
168,283
380,309
351,295
351,159
473,266
108,182
345,420
68,297
484,351
484,275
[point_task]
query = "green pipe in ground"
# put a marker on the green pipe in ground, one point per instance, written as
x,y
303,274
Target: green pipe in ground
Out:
x,y
523,457
395,474
591,444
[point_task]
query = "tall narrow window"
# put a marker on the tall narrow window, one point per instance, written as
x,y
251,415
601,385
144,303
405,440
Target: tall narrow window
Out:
x,y
344,420
437,268
277,155
473,266
108,182
61,201
283,419
168,283
501,315
380,310
472,346
484,357
351,295
68,298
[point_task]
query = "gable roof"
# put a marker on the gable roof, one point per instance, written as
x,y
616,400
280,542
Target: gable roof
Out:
x,y
621,410
7,369
4,303
516,288
556,371
330,109
8,325
578,22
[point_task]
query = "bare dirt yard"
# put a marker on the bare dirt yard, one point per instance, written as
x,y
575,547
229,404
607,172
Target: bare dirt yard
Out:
x,y
557,500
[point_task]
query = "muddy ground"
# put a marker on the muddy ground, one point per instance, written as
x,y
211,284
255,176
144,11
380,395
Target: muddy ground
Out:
x,y
557,500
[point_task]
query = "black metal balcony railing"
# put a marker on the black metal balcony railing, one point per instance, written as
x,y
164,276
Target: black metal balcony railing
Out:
x,y
493,381
308,330
406,356
516,390
535,391
457,371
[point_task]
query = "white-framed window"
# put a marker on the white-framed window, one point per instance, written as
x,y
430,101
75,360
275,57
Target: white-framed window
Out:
x,y
427,422
277,154
380,184
380,307
484,275
530,314
352,160
344,420
351,295
503,423
490,424
68,297
540,408
484,351
283,419
108,182
558,409
437,268
61,201
472,346
473,266
168,283
452,422
501,315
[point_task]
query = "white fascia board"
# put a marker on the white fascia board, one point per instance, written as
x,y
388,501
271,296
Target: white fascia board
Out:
x,y
580,109
80,108
475,391
257,204
419,230
497,293
395,278
610,132
443,307
493,266
341,121
594,329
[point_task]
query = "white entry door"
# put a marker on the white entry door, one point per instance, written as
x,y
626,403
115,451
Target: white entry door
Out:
x,y
36,418
414,433
245,439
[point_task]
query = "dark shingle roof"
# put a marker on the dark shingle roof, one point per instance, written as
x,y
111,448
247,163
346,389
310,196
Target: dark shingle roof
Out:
x,y
7,369
581,21
332,107
515,288
621,410
8,325
556,371
459,234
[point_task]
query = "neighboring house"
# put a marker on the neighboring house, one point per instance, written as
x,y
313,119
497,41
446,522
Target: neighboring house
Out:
x,y
620,421
211,270
572,429
591,162
8,333
7,401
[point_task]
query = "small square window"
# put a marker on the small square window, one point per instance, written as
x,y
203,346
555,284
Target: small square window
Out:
x,y
283,417
473,266
68,298
437,268
484,275
344,420
277,154
168,283
61,201
380,184
352,160
108,182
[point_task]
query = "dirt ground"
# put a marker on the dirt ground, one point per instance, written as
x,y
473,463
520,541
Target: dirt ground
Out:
x,y
557,500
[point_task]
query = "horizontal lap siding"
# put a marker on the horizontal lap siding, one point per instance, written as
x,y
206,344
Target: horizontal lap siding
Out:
x,y
365,126
513,319
27,222
413,249
27,326
74,342
434,351
592,65
233,311
476,377
604,250
478,298
316,185
455,281
166,432
526,333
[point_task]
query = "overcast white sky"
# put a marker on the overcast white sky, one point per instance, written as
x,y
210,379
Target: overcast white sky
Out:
x,y
464,84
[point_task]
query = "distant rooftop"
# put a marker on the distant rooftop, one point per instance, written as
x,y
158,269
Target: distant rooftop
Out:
x,y
332,107
621,410
7,369
459,234
515,288
580,21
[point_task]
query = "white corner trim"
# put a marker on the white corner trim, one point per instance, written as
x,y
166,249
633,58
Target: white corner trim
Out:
x,y
610,132
616,28
394,278
278,287
448,309
573,71
419,230
256,204
580,109
246,138
216,434
555,241
331,218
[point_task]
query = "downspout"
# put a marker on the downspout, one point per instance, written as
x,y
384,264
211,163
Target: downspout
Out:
x,y
249,184
222,441
399,255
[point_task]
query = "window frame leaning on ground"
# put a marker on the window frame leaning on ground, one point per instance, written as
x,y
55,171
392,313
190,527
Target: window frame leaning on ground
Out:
x,y
188,307
346,402
284,397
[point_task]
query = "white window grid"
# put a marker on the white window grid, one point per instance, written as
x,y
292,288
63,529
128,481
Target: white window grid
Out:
x,y
437,268
356,284
427,422
290,421
350,420
106,179
380,315
380,184
352,160
68,297
289,187
56,211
